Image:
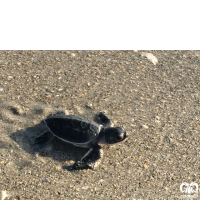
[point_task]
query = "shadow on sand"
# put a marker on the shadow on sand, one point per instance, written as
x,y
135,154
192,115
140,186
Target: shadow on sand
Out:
x,y
58,150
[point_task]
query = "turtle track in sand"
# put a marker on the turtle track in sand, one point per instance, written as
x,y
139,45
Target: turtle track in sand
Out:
x,y
19,126
15,136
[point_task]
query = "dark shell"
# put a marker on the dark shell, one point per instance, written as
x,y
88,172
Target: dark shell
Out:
x,y
72,128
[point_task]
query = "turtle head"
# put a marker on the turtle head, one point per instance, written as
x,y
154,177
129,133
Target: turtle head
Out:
x,y
114,135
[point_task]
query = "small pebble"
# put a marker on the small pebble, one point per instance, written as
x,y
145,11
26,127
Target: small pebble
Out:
x,y
10,77
85,187
101,180
157,119
145,165
3,195
1,89
66,112
89,105
73,54
144,126
151,57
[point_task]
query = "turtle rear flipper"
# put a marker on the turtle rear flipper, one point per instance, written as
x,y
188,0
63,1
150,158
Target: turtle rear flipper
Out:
x,y
102,119
44,138
90,160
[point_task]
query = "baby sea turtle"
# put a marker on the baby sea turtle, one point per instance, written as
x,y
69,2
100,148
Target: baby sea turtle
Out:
x,y
84,133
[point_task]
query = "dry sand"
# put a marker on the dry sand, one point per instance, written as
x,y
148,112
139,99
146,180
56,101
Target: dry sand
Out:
x,y
156,101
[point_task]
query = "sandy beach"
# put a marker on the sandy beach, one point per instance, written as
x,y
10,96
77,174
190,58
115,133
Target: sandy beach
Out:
x,y
153,95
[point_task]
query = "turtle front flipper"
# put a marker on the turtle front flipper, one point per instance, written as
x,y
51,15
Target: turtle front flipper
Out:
x,y
44,138
90,160
102,119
